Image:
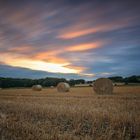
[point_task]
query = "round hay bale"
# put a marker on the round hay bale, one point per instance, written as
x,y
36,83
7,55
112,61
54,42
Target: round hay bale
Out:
x,y
63,87
37,87
103,86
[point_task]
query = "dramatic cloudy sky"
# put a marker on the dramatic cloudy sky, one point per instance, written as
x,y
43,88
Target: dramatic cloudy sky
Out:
x,y
69,38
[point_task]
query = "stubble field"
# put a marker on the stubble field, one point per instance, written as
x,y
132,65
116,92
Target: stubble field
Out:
x,y
77,115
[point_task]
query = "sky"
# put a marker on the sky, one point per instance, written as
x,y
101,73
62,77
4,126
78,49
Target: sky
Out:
x,y
69,38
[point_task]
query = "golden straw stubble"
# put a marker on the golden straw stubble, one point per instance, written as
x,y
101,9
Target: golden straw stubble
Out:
x,y
103,86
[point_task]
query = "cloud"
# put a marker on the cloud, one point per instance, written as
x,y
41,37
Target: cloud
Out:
x,y
83,37
18,61
18,72
75,31
83,47
56,56
21,49
51,56
74,34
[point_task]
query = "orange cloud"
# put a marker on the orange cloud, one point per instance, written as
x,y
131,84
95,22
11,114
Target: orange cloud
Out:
x,y
20,61
79,69
54,56
78,33
51,61
84,47
44,54
79,29
51,56
21,49
74,33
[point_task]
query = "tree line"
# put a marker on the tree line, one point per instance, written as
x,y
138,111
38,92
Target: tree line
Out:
x,y
126,80
45,82
50,81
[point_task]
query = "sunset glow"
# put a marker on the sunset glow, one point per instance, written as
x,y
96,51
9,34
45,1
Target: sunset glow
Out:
x,y
43,66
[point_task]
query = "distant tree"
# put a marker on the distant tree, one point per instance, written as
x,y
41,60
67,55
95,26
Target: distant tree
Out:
x,y
116,79
71,82
89,82
132,79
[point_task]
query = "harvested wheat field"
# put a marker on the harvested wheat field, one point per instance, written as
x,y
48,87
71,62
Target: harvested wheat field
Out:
x,y
78,115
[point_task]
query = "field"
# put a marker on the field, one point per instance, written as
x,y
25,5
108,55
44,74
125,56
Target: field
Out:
x,y
77,115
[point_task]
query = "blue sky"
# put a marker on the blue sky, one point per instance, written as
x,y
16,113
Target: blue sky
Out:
x,y
69,38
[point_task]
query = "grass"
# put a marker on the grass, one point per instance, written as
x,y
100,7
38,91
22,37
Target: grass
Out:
x,y
77,115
